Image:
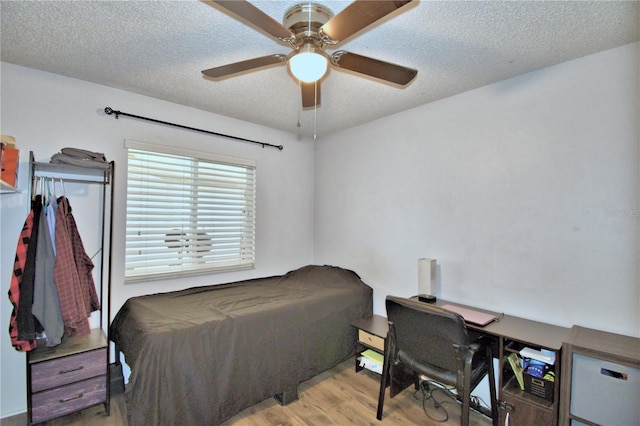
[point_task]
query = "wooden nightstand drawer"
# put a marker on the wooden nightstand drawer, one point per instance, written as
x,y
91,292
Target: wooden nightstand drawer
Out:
x,y
69,369
67,399
371,340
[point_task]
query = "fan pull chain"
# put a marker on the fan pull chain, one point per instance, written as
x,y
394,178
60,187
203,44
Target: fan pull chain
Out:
x,y
315,111
298,124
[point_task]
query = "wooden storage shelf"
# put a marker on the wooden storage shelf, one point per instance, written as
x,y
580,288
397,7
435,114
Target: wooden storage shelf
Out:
x,y
6,188
512,387
521,406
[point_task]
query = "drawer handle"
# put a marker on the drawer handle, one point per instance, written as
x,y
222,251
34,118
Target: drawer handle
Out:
x,y
71,371
71,398
614,374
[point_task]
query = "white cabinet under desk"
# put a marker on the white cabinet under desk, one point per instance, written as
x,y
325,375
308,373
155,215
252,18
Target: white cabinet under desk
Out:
x,y
601,379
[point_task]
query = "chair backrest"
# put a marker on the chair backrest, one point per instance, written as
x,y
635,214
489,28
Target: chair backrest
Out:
x,y
428,334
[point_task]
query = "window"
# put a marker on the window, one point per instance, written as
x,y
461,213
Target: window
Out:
x,y
187,213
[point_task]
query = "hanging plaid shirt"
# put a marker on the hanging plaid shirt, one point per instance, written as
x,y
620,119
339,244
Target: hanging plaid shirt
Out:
x,y
72,272
16,281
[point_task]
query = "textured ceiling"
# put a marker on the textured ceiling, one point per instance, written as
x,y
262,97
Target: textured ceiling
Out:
x,y
158,48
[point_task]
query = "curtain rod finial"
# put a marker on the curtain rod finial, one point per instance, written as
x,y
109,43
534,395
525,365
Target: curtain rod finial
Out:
x,y
109,111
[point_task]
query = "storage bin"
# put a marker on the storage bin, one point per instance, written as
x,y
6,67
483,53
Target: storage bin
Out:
x,y
604,392
9,160
538,387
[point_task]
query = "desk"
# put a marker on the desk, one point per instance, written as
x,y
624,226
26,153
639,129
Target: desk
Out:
x,y
510,334
523,330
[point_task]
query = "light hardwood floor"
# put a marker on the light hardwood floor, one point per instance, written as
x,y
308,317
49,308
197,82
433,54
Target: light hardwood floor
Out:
x,y
336,397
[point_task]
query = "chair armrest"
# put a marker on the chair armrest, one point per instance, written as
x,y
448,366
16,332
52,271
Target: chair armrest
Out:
x,y
473,347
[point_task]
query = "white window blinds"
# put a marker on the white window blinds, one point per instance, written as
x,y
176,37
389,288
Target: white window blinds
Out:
x,y
187,213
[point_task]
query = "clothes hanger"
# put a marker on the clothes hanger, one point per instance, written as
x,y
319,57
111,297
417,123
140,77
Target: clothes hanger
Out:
x,y
53,189
42,192
34,188
47,192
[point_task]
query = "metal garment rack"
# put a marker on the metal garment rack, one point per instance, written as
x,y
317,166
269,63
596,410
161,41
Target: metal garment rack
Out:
x,y
86,175
99,339
110,111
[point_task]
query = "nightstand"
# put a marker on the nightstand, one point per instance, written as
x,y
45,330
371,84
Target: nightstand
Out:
x,y
372,333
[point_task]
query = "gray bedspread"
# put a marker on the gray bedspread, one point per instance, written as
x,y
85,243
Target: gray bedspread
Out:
x,y
199,356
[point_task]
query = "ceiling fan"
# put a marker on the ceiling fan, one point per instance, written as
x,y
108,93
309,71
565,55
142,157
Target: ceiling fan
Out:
x,y
310,28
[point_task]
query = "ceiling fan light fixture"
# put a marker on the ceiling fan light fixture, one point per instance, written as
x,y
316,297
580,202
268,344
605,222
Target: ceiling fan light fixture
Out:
x,y
308,65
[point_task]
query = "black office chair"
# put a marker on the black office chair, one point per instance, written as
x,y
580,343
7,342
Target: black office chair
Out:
x,y
424,340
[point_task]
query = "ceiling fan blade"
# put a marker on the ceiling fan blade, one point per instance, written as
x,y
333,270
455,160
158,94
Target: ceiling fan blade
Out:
x,y
310,94
249,64
358,15
255,16
373,67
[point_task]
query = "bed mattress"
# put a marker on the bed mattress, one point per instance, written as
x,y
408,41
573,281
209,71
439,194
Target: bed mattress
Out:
x,y
202,355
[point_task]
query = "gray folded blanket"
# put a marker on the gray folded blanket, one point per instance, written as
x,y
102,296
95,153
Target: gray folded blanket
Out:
x,y
80,157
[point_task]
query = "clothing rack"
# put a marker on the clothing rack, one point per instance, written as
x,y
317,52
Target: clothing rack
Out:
x,y
110,111
84,175
88,354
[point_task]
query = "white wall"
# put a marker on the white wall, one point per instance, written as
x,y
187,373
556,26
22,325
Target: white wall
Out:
x,y
525,191
46,112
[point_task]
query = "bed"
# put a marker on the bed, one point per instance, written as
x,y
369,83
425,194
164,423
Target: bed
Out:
x,y
201,355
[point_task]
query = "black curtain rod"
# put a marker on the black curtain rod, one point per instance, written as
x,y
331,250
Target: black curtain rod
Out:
x,y
109,111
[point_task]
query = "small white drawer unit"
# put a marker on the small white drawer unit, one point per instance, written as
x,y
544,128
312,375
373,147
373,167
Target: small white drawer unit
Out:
x,y
604,392
602,372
